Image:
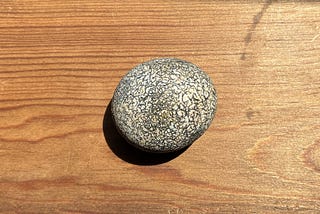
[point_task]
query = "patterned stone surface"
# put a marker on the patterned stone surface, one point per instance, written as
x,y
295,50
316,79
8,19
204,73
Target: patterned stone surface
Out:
x,y
164,105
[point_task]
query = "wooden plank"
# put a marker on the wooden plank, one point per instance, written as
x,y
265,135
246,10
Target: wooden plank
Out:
x,y
60,62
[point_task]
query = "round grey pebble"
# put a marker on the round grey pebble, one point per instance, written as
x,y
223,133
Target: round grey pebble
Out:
x,y
164,105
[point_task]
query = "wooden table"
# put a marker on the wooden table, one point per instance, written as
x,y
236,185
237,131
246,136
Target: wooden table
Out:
x,y
60,62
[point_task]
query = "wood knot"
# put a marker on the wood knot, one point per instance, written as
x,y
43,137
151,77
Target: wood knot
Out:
x,y
311,156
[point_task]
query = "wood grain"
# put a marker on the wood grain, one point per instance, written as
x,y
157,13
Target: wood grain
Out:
x,y
60,62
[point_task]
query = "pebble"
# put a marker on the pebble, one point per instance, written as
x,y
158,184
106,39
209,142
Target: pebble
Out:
x,y
164,105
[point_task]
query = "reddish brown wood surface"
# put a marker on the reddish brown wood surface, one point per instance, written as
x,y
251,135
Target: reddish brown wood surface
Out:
x,y
60,62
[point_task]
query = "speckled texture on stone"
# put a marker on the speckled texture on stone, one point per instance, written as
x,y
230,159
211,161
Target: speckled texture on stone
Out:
x,y
164,105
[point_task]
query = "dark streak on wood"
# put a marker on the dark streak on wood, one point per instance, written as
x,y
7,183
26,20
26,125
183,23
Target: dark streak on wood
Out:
x,y
255,22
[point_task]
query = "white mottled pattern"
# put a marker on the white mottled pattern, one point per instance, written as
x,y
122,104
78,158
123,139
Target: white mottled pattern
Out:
x,y
164,105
